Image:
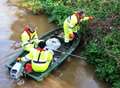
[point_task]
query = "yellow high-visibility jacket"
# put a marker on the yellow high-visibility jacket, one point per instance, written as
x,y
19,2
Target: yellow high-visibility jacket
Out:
x,y
40,60
69,25
29,40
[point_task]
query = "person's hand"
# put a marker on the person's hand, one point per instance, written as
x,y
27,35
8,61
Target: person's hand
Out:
x,y
18,59
90,17
71,36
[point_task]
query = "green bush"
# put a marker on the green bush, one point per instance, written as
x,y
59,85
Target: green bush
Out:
x,y
60,13
104,53
116,84
103,50
100,9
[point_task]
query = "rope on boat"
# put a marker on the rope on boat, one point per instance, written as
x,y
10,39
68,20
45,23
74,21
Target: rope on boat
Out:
x,y
71,54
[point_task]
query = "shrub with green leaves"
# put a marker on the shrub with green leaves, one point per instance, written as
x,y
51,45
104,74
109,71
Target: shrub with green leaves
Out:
x,y
103,50
60,13
57,10
104,53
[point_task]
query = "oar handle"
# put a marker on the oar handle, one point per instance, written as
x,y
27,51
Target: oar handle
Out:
x,y
71,54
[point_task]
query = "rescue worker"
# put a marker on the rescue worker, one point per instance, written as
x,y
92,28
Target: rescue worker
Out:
x,y
29,37
40,58
70,32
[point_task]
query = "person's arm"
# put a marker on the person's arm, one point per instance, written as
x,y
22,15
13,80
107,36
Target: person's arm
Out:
x,y
24,37
23,59
27,57
86,18
50,55
35,38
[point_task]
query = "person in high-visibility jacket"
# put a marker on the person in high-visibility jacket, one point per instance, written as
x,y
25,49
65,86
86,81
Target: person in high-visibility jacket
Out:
x,y
29,37
71,22
40,58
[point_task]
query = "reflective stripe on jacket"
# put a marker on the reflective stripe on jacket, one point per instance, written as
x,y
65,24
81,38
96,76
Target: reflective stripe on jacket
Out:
x,y
29,40
25,37
40,60
69,26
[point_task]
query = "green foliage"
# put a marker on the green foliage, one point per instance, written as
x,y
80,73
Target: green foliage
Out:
x,y
104,53
116,84
60,13
58,10
100,8
104,48
112,43
34,5
48,6
106,69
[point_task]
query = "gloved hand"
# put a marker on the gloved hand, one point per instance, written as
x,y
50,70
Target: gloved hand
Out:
x,y
18,59
71,36
90,17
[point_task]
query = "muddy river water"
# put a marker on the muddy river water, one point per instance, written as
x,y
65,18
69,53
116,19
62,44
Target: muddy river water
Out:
x,y
73,73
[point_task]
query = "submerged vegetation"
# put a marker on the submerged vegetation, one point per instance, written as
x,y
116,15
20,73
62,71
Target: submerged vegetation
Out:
x,y
101,41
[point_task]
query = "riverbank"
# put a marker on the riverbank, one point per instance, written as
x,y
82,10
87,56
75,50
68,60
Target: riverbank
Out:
x,y
15,2
106,18
99,46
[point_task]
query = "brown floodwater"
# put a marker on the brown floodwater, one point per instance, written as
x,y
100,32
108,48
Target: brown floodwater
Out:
x,y
73,73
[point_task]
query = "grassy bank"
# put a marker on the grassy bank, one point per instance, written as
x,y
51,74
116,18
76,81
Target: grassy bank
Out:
x,y
101,40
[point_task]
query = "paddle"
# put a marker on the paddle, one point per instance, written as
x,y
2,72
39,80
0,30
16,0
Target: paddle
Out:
x,y
71,54
59,52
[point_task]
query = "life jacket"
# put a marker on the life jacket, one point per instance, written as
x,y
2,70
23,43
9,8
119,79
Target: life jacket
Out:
x,y
31,35
29,40
38,58
41,60
68,23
